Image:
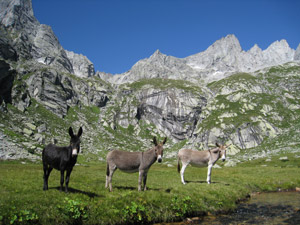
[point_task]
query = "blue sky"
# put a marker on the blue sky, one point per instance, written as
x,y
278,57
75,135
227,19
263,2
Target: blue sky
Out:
x,y
115,34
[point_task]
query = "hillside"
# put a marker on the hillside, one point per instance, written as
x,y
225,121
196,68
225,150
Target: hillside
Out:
x,y
224,94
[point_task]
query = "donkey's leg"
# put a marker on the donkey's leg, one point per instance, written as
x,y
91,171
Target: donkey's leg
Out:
x,y
112,169
68,178
145,180
62,172
106,181
107,175
47,171
141,175
184,165
45,167
209,173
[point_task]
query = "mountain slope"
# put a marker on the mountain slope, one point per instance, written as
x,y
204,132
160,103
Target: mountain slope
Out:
x,y
224,94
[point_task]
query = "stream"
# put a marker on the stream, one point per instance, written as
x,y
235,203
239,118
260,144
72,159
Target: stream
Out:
x,y
264,208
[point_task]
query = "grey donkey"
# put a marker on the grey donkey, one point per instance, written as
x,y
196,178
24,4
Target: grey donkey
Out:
x,y
132,162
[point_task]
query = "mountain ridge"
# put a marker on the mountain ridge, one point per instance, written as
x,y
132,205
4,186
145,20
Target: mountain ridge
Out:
x,y
224,57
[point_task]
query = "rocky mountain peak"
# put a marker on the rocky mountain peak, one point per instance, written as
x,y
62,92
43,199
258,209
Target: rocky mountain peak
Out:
x,y
278,51
157,55
36,41
82,66
16,13
255,49
226,44
297,53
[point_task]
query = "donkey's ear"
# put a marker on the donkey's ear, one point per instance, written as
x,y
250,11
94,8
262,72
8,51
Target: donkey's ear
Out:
x,y
71,132
218,145
79,132
154,141
165,140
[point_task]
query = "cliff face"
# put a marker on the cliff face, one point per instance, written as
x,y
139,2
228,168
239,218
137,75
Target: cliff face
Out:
x,y
223,94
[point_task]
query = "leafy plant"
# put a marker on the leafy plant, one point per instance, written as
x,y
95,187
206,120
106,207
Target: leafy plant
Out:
x,y
181,206
23,216
136,213
74,209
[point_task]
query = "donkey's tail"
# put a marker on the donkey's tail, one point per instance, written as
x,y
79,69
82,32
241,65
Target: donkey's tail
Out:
x,y
178,165
107,169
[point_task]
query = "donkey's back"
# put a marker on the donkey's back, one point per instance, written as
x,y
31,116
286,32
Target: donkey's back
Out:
x,y
125,161
194,157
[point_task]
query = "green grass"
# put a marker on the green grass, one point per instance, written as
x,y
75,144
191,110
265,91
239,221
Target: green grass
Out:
x,y
163,84
22,197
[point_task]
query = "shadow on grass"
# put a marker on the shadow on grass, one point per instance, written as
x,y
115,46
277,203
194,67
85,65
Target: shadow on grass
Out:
x,y
204,182
73,190
135,188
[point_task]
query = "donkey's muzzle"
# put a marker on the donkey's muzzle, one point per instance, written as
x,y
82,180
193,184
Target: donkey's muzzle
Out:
x,y
74,152
223,160
159,159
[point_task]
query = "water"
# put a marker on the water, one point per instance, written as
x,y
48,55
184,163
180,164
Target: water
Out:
x,y
265,208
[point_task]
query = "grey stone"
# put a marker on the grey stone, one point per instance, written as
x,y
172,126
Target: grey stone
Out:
x,y
42,128
27,132
284,158
31,126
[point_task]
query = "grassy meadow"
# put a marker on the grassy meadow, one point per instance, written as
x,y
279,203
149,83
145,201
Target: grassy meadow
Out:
x,y
23,201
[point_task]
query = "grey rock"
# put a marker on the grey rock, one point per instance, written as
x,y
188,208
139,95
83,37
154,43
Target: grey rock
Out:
x,y
174,112
42,128
82,66
284,158
221,59
7,77
31,126
27,132
230,163
297,53
31,39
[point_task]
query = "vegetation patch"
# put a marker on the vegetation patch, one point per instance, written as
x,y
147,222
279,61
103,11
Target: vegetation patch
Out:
x,y
22,197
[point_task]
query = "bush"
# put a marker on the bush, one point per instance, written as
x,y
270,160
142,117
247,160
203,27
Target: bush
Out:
x,y
181,206
75,210
136,213
23,216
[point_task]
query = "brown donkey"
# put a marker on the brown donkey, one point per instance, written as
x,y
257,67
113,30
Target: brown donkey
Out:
x,y
132,162
200,159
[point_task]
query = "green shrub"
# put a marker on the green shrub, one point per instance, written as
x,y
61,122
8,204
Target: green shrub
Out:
x,y
75,210
136,213
23,216
181,206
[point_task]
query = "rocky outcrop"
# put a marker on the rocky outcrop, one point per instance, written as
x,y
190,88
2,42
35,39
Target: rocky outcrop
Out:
x,y
58,92
31,40
297,53
7,52
7,77
82,66
175,112
157,66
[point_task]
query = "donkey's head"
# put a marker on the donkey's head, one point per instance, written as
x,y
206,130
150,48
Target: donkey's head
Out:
x,y
75,141
159,149
222,150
